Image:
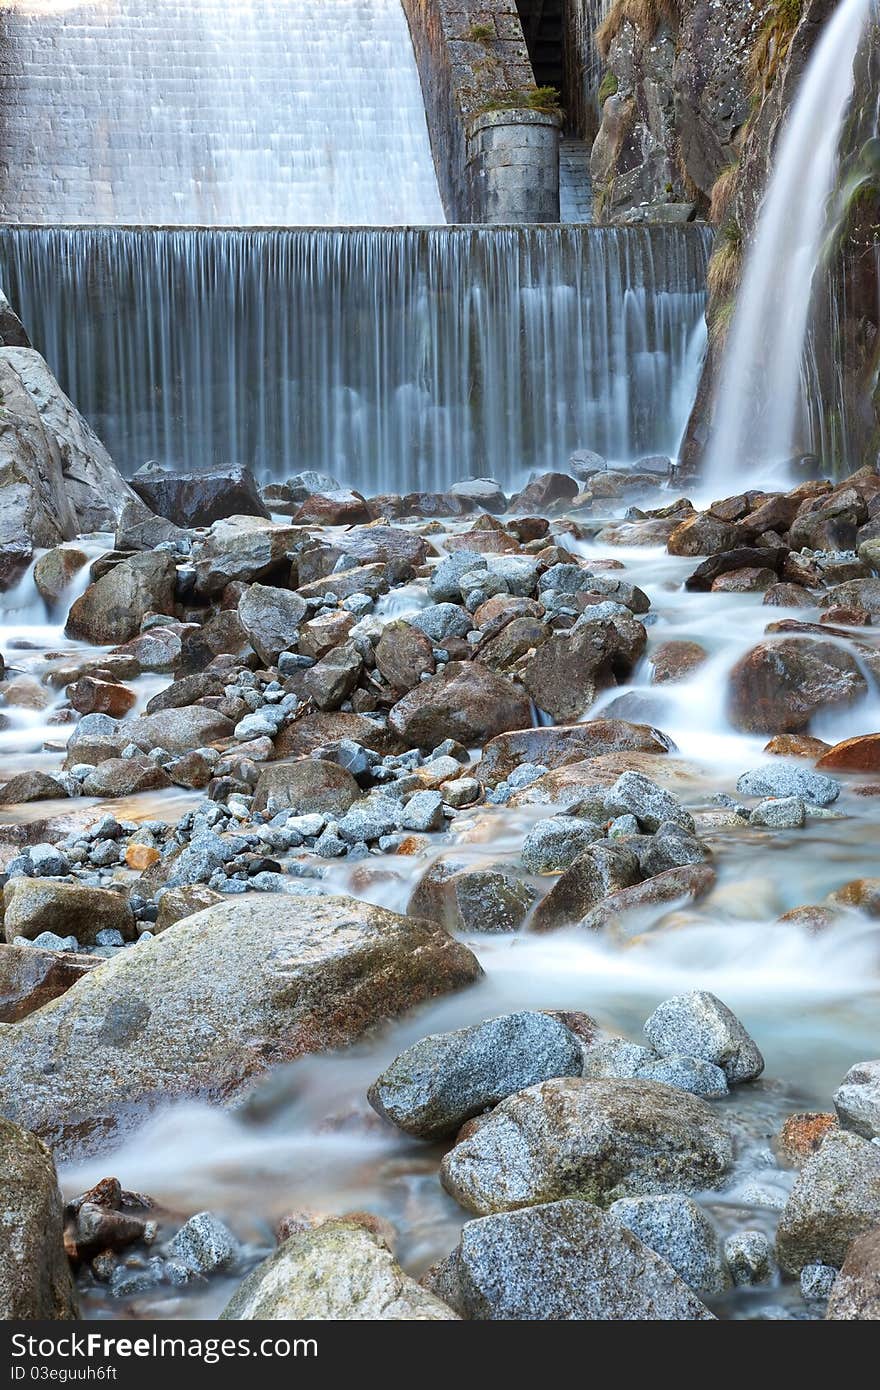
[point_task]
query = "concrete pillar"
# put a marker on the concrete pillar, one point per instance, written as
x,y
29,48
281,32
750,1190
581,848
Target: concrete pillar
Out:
x,y
513,166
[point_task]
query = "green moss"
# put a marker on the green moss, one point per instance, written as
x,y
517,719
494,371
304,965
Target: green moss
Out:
x,y
481,33
607,87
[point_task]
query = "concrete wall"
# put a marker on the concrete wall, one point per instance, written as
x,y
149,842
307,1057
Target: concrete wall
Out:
x,y
497,160
583,65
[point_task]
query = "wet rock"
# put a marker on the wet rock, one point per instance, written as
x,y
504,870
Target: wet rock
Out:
x,y
433,1087
857,1100
113,777
98,1227
442,620
516,639
338,1272
545,491
35,1280
856,1292
650,804
185,901
244,548
55,571
749,1258
680,885
783,780
304,786
326,727
745,561
595,1140
559,1261
569,670
222,634
466,702
702,534
91,695
786,813
600,870
788,596
112,609
802,1134
271,619
863,894
423,812
204,1244
403,655
30,978
835,1199
855,593
31,786
861,754
323,633
471,899
178,730
677,1230
35,905
778,687
556,745
744,581
199,499
700,1025
158,650
554,844
339,507
209,1004
334,677
676,661
796,746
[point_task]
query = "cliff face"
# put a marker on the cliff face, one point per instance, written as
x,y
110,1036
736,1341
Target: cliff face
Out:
x,y
843,357
678,95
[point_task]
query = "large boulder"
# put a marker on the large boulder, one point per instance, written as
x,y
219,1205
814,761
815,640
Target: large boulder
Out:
x,y
271,619
599,871
178,730
242,548
468,702
471,897
112,609
35,1279
779,687
30,978
199,499
596,1140
569,671
305,786
340,1272
856,1292
560,1261
555,745
836,1198
446,1078
677,1230
700,1025
32,906
212,1002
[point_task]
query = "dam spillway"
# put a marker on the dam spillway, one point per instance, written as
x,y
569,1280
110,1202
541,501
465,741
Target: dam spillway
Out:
x,y
394,359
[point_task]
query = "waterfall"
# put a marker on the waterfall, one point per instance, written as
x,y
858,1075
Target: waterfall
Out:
x,y
213,112
759,398
396,360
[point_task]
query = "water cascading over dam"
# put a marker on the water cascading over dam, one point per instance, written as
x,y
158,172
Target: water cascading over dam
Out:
x,y
211,112
397,360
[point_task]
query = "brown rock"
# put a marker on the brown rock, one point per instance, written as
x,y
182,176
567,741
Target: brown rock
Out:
x,y
856,1292
863,894
516,638
675,661
317,730
778,687
140,857
744,581
322,634
569,671
93,696
334,677
788,596
796,746
471,899
339,508
556,745
54,572
34,905
810,916
29,978
35,1281
112,609
125,777
546,491
506,606
846,617
186,901
305,786
861,754
802,1134
702,534
467,702
30,786
684,884
598,872
404,655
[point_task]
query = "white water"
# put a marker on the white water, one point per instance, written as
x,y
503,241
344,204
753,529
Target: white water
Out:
x,y
759,403
251,113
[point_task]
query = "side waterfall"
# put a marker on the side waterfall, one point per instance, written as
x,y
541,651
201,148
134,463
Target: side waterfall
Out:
x,y
759,401
250,113
396,360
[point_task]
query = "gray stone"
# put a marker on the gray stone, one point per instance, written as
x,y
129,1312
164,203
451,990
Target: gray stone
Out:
x,y
35,1279
749,1257
835,1198
785,780
786,813
686,1074
443,620
553,845
201,1009
600,870
596,1140
446,1078
444,582
271,618
204,1244
857,1100
560,1261
424,811
650,804
817,1281
339,1272
47,861
368,819
205,852
179,730
677,1230
700,1025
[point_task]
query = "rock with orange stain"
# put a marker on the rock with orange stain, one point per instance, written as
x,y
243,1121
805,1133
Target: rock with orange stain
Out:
x,y
810,916
860,754
796,746
802,1134
140,857
860,893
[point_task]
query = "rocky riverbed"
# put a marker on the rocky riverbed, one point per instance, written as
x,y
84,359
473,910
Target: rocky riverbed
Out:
x,y
418,907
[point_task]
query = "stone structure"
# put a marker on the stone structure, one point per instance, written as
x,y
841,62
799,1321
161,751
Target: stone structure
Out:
x,y
497,157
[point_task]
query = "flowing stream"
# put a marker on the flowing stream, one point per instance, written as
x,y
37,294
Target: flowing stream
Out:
x,y
306,1140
